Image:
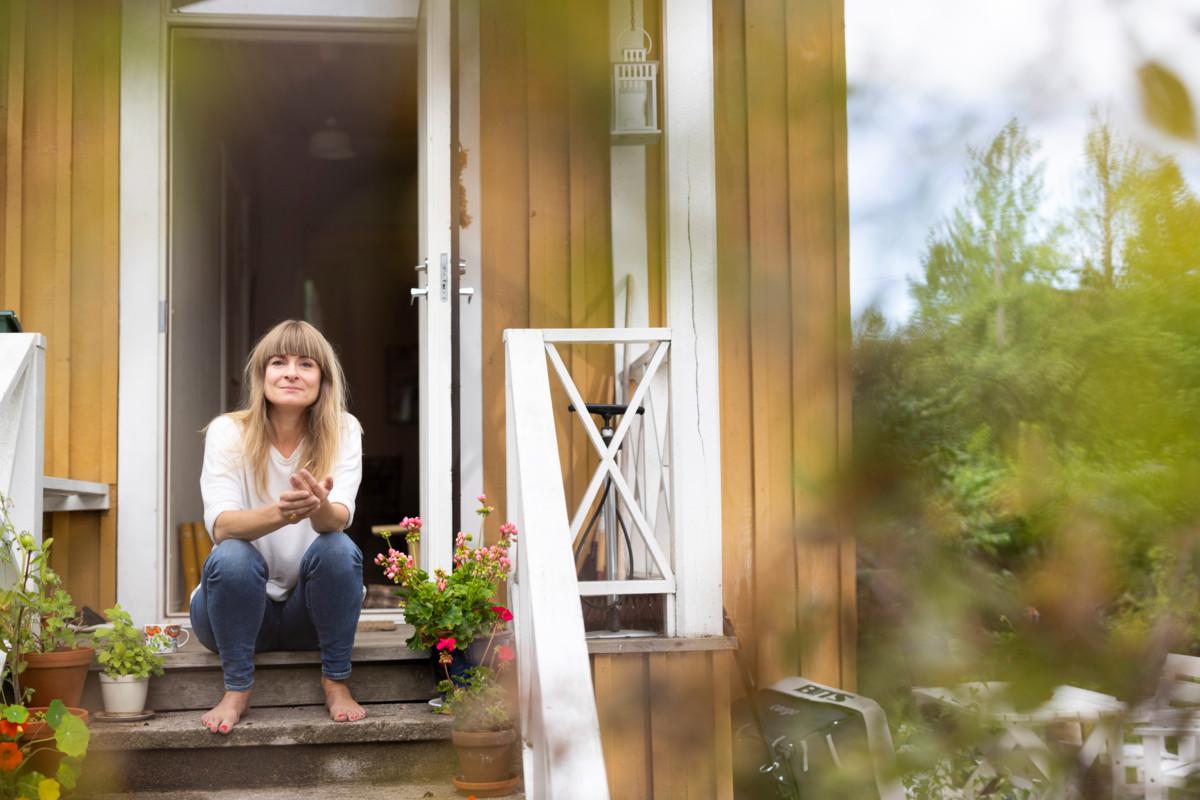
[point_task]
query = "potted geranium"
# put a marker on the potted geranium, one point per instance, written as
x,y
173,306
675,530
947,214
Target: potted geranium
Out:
x,y
448,611
37,619
128,663
32,745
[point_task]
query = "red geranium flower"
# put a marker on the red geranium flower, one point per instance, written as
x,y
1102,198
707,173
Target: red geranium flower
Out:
x,y
505,653
449,643
10,729
502,612
10,756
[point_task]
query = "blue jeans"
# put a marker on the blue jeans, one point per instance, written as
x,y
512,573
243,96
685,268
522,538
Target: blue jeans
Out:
x,y
232,615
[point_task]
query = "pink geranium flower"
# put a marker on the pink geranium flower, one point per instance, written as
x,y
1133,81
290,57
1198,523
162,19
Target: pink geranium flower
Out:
x,y
504,652
449,643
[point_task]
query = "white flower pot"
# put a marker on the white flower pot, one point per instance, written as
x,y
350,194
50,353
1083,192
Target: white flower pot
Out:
x,y
124,695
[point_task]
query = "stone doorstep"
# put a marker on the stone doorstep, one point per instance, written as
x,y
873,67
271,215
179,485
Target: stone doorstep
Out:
x,y
385,671
272,748
332,791
299,725
368,646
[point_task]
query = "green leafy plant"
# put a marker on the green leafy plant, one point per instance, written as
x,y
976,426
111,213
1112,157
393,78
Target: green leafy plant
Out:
x,y
477,698
63,733
122,649
36,613
448,611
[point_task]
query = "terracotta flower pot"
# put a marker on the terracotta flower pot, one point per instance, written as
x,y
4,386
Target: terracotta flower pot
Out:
x,y
484,756
56,676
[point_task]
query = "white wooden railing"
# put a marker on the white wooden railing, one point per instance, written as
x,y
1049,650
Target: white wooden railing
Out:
x,y
560,730
651,570
22,436
22,426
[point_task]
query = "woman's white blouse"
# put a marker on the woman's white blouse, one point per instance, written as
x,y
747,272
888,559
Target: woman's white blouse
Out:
x,y
226,484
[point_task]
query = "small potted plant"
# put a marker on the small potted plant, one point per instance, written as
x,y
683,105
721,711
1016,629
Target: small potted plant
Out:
x,y
40,754
128,662
484,727
37,619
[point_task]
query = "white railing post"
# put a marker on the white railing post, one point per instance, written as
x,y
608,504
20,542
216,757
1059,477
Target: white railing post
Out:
x,y
691,266
22,427
561,746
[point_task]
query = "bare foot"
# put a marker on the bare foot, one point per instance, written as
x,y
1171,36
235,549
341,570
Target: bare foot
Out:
x,y
340,703
227,712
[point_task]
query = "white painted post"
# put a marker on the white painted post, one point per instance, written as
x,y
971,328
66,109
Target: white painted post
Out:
x,y
22,427
561,730
691,267
141,404
434,176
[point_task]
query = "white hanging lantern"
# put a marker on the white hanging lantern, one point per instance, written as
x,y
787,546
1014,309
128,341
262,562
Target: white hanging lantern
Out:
x,y
635,86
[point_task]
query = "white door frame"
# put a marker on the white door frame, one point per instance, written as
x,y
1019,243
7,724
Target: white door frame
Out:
x,y
142,389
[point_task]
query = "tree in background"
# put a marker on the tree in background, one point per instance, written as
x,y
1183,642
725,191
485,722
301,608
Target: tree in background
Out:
x,y
1114,169
1028,443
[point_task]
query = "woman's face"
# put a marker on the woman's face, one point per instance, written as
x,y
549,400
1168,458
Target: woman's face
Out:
x,y
292,381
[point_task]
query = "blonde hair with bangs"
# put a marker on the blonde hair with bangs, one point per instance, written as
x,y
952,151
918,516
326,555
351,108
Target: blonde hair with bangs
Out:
x,y
324,419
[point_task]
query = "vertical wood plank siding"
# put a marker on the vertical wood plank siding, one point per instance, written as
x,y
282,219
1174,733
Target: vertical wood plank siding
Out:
x,y
546,221
665,725
784,326
59,259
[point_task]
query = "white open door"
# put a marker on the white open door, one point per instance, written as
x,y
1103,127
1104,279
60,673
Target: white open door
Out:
x,y
434,182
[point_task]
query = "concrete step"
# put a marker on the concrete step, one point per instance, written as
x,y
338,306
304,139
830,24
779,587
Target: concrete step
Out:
x,y
338,791
272,748
385,671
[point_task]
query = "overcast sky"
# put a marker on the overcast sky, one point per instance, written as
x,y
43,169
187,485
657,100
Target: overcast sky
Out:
x,y
929,77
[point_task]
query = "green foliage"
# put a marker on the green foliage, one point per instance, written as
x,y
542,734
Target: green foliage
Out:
x,y
36,593
448,611
122,649
478,701
1027,445
68,736
36,614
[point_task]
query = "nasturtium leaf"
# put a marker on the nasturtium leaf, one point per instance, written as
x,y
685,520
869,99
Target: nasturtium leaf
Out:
x,y
55,713
68,773
72,736
15,714
27,785
48,789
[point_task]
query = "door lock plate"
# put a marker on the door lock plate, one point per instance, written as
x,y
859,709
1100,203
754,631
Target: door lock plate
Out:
x,y
445,277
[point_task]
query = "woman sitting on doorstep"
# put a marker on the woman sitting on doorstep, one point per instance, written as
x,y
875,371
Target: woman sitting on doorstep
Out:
x,y
279,481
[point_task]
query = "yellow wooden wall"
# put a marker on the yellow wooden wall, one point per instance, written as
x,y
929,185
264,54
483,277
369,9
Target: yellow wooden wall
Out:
x,y
665,724
782,242
58,259
547,254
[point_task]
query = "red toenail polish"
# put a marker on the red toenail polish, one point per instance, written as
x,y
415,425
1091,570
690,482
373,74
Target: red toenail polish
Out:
x,y
224,728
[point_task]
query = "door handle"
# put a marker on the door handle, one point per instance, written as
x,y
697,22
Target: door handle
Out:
x,y
466,292
413,294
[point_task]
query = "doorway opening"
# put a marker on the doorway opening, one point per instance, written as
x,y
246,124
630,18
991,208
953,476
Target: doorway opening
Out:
x,y
292,194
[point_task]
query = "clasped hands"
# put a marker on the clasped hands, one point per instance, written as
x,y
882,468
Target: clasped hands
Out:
x,y
306,498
